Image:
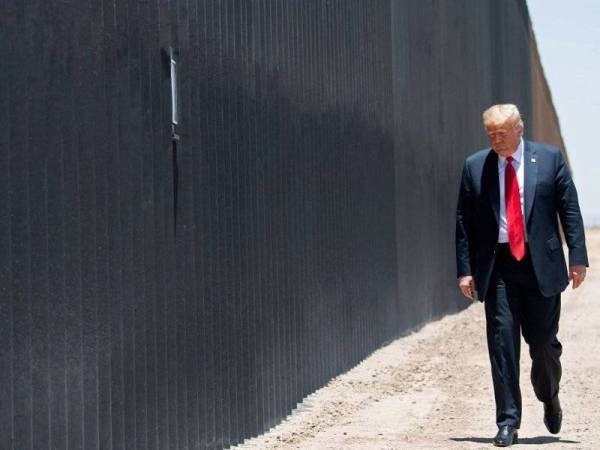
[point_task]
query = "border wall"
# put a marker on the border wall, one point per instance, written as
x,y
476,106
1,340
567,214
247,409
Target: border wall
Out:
x,y
184,287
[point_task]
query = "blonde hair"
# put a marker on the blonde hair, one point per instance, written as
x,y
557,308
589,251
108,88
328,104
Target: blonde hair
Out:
x,y
500,114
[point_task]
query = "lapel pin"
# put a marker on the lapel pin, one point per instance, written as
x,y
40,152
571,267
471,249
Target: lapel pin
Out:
x,y
532,160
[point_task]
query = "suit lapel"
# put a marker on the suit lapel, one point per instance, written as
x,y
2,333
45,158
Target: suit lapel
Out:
x,y
490,181
530,178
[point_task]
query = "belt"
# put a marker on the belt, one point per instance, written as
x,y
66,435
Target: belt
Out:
x,y
504,249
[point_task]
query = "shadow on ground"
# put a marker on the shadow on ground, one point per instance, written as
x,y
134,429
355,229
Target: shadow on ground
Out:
x,y
538,440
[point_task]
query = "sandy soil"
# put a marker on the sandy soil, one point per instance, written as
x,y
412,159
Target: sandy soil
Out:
x,y
432,389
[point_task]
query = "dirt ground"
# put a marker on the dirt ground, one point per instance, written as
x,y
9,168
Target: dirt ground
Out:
x,y
433,390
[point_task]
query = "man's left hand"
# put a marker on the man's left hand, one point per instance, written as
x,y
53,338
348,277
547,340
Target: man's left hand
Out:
x,y
577,274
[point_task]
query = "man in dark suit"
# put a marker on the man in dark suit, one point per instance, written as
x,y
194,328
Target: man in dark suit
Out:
x,y
509,251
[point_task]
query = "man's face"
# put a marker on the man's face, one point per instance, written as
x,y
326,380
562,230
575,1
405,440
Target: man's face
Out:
x,y
504,138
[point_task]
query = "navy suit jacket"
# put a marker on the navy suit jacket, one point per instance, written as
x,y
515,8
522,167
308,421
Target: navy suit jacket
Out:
x,y
549,194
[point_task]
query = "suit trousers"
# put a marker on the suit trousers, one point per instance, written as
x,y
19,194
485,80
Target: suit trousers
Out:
x,y
514,304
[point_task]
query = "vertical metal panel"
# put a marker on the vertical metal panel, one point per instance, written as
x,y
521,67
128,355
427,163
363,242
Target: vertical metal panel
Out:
x,y
18,201
56,206
36,44
7,26
210,239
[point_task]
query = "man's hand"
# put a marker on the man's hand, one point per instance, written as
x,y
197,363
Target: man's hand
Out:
x,y
467,286
577,274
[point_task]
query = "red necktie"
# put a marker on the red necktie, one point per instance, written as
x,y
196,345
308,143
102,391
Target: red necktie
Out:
x,y
514,216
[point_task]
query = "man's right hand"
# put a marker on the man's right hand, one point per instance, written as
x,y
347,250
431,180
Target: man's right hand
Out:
x,y
467,286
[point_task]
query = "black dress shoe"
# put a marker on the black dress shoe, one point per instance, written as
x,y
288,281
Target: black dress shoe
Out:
x,y
507,435
553,416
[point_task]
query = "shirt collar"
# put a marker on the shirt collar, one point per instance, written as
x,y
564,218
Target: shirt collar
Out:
x,y
517,155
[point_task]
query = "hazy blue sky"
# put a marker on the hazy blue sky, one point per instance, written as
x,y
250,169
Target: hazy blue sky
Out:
x,y
568,37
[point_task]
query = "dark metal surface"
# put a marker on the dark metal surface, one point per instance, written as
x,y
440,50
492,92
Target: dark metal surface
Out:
x,y
171,294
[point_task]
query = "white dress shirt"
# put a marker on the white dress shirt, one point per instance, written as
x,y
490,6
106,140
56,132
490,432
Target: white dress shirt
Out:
x,y
519,167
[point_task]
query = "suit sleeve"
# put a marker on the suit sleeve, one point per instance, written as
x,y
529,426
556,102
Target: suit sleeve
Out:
x,y
570,214
465,230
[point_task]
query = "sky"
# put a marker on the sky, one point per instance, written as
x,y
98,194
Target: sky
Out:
x,y
568,38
